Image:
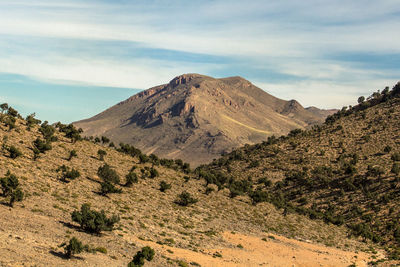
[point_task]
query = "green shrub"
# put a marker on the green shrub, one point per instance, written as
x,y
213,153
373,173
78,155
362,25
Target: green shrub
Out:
x,y
146,253
74,247
10,187
101,154
153,173
31,121
258,196
10,122
70,132
131,178
164,186
108,175
105,140
67,173
41,145
108,188
72,154
93,221
14,152
48,132
185,199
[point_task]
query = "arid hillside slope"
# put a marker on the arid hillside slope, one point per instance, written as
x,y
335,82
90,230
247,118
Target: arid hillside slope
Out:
x,y
345,172
196,118
217,230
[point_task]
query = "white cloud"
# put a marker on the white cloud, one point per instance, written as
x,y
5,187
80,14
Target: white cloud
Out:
x,y
294,37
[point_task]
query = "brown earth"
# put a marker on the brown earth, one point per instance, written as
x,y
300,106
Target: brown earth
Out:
x,y
196,118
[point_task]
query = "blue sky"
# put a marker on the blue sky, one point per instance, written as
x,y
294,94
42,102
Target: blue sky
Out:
x,y
68,60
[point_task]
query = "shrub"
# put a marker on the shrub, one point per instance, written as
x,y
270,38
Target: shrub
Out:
x,y
185,199
107,174
10,187
108,188
264,181
10,122
74,247
153,173
72,154
12,112
14,152
164,186
41,145
48,132
68,174
101,154
93,221
4,108
258,196
146,253
105,140
31,121
396,156
70,132
131,178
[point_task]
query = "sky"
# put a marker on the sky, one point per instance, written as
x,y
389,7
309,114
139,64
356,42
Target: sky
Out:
x,y
68,60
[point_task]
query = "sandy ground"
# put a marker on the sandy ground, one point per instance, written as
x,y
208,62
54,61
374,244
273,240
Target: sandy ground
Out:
x,y
273,251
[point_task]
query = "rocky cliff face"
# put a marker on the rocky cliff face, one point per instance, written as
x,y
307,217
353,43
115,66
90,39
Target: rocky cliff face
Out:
x,y
196,118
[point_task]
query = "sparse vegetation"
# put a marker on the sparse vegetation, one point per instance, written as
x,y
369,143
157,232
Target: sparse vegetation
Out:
x,y
93,221
147,253
11,189
185,199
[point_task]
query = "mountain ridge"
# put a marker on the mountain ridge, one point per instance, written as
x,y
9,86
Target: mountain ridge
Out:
x,y
202,114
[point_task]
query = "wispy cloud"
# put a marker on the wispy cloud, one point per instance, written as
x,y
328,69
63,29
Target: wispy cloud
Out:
x,y
280,45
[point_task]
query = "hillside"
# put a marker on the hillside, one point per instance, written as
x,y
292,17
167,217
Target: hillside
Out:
x,y
196,118
345,172
214,231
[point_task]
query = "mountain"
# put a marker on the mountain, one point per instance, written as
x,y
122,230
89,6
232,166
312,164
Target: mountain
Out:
x,y
196,118
58,172
345,172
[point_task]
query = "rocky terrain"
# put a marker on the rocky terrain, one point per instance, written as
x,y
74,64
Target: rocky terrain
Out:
x,y
196,118
159,203
345,172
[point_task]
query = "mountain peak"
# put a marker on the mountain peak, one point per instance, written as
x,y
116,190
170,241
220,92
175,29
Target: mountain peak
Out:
x,y
197,117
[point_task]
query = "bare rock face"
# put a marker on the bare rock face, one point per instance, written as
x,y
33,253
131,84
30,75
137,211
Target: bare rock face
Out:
x,y
196,118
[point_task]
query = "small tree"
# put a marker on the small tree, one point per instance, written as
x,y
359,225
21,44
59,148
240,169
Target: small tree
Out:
x,y
101,154
93,221
68,174
10,187
258,196
131,178
41,145
4,108
107,174
14,152
361,99
74,247
153,173
105,140
108,188
72,154
147,253
185,199
164,186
